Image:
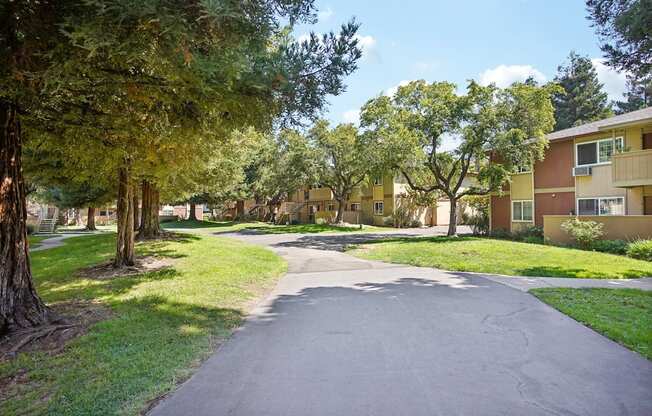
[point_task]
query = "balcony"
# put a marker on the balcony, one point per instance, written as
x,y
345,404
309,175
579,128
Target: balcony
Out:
x,y
320,194
631,169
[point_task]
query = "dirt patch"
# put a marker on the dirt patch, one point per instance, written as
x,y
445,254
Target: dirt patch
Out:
x,y
106,271
77,317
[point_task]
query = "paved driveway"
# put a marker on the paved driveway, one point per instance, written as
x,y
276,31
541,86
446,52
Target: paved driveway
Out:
x,y
345,336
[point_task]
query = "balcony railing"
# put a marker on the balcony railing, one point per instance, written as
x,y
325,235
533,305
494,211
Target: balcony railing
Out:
x,y
320,194
632,168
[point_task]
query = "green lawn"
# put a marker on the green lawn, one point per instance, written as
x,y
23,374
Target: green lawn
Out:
x,y
163,324
486,255
266,228
623,315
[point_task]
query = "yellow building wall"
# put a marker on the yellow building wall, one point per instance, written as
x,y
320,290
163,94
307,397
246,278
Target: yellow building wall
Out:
x,y
634,201
522,186
621,227
598,184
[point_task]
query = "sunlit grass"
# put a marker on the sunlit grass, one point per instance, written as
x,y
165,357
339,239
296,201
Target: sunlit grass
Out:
x,y
163,323
623,315
486,255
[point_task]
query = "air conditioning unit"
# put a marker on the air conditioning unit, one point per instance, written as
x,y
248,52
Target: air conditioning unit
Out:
x,y
582,171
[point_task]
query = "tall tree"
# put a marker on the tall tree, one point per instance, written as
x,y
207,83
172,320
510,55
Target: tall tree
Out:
x,y
410,128
625,28
637,96
279,166
343,160
582,99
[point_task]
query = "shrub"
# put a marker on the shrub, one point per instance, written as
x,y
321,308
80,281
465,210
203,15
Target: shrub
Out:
x,y
478,219
533,239
610,246
416,224
531,232
501,234
321,221
640,249
31,228
585,233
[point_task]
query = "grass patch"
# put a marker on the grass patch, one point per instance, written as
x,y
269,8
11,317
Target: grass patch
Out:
x,y
472,254
266,228
163,323
623,315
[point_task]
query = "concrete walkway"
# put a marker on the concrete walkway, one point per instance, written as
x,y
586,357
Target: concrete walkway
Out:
x,y
56,240
346,336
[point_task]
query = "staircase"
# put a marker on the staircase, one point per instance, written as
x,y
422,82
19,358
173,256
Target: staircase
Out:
x,y
47,225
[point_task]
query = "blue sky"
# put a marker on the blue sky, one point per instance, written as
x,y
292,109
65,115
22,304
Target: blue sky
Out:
x,y
454,40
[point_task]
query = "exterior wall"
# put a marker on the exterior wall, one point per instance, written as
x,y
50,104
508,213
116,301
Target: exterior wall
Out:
x,y
500,214
522,186
598,184
634,203
556,169
552,203
621,227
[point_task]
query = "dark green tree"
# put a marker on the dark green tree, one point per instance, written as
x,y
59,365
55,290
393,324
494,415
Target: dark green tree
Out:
x,y
582,99
637,96
625,29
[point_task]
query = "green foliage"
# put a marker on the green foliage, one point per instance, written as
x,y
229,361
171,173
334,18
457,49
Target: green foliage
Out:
x,y
585,233
625,29
610,246
479,217
583,98
343,159
409,129
637,96
640,249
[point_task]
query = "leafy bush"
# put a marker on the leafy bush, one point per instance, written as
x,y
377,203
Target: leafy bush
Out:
x,y
321,221
31,228
585,233
610,246
640,249
478,219
530,232
501,234
416,224
533,239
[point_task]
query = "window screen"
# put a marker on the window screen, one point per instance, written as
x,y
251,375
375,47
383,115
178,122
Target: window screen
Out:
x,y
586,154
587,207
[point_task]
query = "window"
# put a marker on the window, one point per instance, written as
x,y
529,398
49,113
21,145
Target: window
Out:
x,y
601,206
599,151
523,169
355,206
330,207
378,181
379,207
306,195
522,211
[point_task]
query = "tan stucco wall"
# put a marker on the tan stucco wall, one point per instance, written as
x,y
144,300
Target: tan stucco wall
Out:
x,y
522,186
378,193
598,184
621,227
634,201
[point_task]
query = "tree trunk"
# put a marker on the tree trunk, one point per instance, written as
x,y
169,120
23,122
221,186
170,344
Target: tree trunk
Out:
x,y
124,255
149,221
90,221
340,211
78,220
20,306
136,214
192,215
452,225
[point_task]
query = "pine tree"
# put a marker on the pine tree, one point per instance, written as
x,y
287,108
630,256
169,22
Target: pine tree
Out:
x,y
583,99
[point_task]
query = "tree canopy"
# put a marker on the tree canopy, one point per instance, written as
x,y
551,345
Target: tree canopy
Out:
x,y
494,132
582,99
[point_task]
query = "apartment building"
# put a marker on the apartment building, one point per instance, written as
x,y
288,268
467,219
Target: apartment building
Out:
x,y
600,171
374,202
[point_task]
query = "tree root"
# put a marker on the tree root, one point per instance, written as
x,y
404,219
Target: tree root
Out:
x,y
34,334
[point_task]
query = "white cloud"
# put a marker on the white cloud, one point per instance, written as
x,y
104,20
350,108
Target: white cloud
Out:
x,y
614,82
368,45
392,90
351,116
505,75
325,14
